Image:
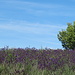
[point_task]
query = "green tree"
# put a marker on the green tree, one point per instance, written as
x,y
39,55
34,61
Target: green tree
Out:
x,y
67,37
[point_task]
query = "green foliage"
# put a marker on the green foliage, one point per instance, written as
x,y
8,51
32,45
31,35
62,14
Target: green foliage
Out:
x,y
10,58
1,68
67,37
22,69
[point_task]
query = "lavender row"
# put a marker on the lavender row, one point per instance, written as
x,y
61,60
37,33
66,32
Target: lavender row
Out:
x,y
46,59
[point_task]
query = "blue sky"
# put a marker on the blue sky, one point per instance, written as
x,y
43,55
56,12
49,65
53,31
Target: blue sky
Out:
x,y
34,23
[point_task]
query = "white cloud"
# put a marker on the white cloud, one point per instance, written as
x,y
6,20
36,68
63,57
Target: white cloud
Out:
x,y
33,4
35,28
34,8
39,8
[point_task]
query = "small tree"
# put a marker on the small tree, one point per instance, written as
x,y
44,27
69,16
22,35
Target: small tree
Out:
x,y
67,37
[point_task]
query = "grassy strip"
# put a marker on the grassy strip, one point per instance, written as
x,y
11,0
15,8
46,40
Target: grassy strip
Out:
x,y
30,69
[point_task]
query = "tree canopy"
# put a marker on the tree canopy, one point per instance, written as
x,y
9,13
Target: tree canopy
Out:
x,y
67,37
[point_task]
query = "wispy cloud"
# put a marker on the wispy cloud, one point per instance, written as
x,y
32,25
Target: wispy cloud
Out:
x,y
36,8
34,28
33,4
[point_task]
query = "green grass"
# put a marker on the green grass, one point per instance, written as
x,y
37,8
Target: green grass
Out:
x,y
23,69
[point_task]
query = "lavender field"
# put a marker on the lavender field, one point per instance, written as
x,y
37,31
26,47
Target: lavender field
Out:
x,y
32,61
